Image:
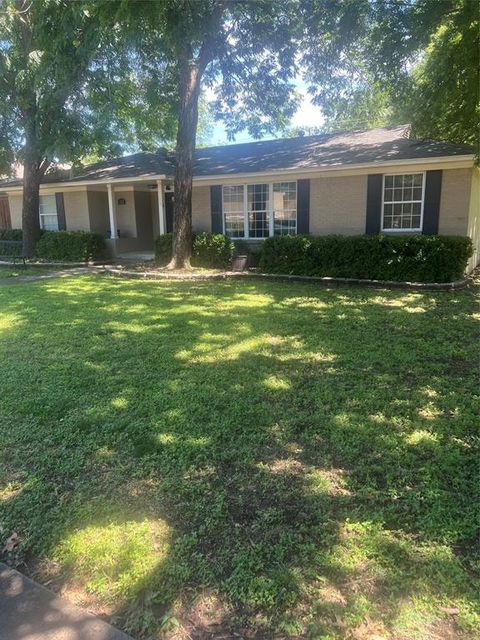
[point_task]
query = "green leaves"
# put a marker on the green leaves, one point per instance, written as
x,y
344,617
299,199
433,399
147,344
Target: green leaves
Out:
x,y
413,258
445,101
71,246
65,75
408,62
211,250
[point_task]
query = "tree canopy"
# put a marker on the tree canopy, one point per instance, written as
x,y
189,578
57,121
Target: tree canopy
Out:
x,y
67,91
444,100
45,48
415,62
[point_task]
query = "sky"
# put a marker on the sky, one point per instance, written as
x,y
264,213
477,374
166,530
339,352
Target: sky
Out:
x,y
307,115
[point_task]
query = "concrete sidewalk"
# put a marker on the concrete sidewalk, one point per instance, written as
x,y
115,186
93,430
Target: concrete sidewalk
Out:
x,y
29,611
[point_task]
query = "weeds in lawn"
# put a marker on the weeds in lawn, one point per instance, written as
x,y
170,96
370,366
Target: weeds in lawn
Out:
x,y
252,458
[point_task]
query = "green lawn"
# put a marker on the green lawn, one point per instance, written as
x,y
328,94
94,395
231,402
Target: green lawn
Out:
x,y
239,457
12,271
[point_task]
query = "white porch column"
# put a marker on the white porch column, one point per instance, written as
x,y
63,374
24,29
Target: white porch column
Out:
x,y
112,213
161,208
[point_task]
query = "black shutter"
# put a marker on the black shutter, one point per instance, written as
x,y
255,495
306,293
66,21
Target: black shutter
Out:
x,y
216,208
62,223
303,206
431,205
373,223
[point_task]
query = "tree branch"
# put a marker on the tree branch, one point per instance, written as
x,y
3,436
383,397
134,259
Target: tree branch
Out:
x,y
206,50
43,166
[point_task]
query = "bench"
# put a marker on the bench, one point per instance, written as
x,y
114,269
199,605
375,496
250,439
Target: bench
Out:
x,y
12,250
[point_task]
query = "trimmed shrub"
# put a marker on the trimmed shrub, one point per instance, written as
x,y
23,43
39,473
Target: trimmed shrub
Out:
x,y
11,234
211,250
163,249
71,246
412,258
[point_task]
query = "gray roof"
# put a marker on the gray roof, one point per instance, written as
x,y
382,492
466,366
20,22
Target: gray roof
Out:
x,y
132,166
308,152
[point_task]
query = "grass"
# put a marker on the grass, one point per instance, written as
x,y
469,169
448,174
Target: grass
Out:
x,y
13,271
263,459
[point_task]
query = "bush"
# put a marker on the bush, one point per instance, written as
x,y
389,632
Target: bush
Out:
x,y
208,250
71,246
163,249
413,258
11,234
212,250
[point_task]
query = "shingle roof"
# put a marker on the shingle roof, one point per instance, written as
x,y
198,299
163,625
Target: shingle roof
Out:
x,y
309,152
132,166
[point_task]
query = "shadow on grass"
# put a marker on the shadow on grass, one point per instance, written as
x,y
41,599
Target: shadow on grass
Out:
x,y
261,459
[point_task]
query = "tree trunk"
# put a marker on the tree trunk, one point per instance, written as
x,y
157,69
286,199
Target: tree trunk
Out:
x,y
189,90
30,206
34,167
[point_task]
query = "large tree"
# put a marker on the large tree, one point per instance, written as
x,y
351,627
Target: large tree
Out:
x,y
243,51
249,54
46,46
67,93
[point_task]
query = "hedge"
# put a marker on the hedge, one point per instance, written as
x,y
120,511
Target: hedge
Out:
x,y
163,249
71,246
11,234
403,258
212,250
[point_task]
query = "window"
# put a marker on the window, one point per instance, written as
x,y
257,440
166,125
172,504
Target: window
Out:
x,y
233,211
48,213
403,202
260,210
285,208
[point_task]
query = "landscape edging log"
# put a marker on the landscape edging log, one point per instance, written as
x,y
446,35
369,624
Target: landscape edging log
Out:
x,y
326,281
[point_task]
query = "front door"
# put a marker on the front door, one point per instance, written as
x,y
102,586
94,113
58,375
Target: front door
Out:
x,y
169,211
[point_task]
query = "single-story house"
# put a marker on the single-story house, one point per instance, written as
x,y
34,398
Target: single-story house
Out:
x,y
376,181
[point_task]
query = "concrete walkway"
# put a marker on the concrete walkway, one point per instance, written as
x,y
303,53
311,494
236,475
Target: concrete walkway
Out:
x,y
28,611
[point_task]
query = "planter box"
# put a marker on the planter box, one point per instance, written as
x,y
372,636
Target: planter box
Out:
x,y
240,263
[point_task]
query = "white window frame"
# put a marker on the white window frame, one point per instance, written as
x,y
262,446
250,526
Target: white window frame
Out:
x,y
270,210
267,210
42,215
227,186
285,210
422,203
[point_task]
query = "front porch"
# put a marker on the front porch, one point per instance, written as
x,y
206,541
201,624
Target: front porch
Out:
x,y
131,216
129,213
